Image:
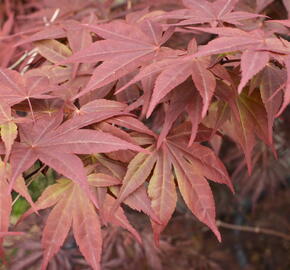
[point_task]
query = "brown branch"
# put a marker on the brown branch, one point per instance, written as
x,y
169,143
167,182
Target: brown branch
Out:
x,y
252,229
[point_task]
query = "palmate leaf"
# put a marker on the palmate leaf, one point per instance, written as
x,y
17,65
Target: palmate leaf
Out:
x,y
118,218
257,49
248,119
57,226
192,165
138,200
198,12
56,144
16,88
196,192
272,79
52,50
72,208
167,80
138,171
173,72
191,102
125,48
251,63
162,191
49,32
87,228
52,108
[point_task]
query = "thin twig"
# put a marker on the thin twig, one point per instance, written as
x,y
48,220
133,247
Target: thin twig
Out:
x,y
129,4
33,53
19,61
252,229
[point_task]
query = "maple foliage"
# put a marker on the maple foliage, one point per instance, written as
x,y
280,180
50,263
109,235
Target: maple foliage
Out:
x,y
101,93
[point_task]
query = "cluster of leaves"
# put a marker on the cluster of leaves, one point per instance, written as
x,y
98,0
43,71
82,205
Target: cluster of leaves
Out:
x,y
98,92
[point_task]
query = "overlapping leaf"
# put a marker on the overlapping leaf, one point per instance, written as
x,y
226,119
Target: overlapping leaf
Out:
x,y
125,48
53,108
192,165
138,200
248,119
47,137
257,48
72,208
217,12
16,88
174,72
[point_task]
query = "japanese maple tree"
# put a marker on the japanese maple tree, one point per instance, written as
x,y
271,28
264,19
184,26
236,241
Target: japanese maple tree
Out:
x,y
128,103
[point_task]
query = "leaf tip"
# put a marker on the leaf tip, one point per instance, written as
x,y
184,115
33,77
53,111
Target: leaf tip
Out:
x,y
215,230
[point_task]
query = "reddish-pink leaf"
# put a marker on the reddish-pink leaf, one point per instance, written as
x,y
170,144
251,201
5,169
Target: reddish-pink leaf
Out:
x,y
138,170
86,228
125,48
16,88
87,141
49,197
284,22
22,189
120,31
205,162
70,166
22,158
223,31
251,63
213,12
131,123
272,79
166,81
249,118
205,83
115,68
78,37
226,44
139,201
105,50
194,110
149,71
103,180
57,226
53,50
118,217
286,100
195,191
176,107
49,32
162,192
